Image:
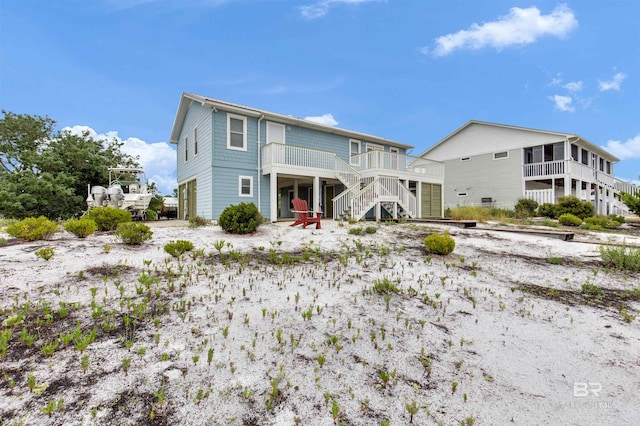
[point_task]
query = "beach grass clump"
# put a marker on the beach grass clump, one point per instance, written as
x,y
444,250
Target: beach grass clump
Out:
x,y
108,218
355,231
621,257
591,289
242,218
45,253
178,248
133,233
82,227
440,244
198,221
385,286
32,229
569,219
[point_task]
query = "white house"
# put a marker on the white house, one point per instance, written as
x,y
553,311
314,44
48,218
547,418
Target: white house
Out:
x,y
493,164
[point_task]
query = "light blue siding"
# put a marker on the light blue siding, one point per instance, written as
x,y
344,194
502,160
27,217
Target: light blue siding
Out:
x,y
197,166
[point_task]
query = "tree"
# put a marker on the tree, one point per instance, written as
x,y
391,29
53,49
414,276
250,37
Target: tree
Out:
x,y
632,201
44,172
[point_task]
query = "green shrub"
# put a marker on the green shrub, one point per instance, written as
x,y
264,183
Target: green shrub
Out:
x,y
573,205
132,233
549,222
621,257
616,218
3,241
151,214
568,219
45,253
525,207
240,219
198,221
81,227
355,231
108,218
370,230
32,229
548,210
602,222
591,289
385,286
178,248
440,244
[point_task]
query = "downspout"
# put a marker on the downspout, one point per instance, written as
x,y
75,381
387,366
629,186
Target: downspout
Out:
x,y
214,110
259,165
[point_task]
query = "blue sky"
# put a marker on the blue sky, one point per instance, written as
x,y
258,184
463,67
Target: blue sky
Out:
x,y
407,70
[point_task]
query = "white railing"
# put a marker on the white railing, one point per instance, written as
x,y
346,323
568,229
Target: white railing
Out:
x,y
540,195
391,161
623,186
363,200
342,203
547,168
345,172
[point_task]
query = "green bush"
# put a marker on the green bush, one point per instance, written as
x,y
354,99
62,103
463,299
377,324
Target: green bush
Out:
x,y
151,214
45,253
601,222
549,222
198,221
548,210
591,289
385,286
525,207
440,244
573,205
178,248
616,218
568,219
32,229
108,218
625,258
132,233
370,230
355,231
240,219
81,227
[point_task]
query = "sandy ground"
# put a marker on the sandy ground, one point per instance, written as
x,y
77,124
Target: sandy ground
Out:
x,y
283,327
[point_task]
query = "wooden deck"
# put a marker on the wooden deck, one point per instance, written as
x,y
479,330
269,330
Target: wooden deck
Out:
x,y
458,223
562,235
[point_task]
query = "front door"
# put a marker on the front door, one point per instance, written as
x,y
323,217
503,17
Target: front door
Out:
x,y
328,201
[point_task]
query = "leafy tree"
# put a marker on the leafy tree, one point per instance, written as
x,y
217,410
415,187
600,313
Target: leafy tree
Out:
x,y
632,201
46,172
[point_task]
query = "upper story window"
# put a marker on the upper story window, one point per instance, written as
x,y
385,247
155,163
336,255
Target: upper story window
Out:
x,y
602,164
574,152
275,132
540,153
195,141
236,132
500,155
186,149
585,157
245,186
354,150
608,170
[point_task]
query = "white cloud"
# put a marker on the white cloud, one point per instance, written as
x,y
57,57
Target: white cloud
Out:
x,y
519,27
629,149
321,7
326,119
158,159
562,103
612,84
573,86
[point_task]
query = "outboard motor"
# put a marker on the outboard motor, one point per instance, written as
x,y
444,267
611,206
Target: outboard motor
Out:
x,y
116,195
99,194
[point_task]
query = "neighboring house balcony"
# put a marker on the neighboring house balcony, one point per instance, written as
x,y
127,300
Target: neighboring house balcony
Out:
x,y
574,170
372,180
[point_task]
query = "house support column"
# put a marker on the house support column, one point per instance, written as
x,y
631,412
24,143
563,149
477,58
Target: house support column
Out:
x,y
316,193
273,197
378,211
295,188
419,199
395,211
567,185
553,189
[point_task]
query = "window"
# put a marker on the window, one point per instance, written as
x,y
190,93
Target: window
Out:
x,y
602,164
354,150
585,157
195,141
558,151
500,155
245,186
608,167
275,132
574,152
186,149
236,132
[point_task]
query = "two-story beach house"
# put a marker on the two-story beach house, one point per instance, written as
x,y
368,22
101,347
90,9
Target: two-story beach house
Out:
x,y
495,165
229,153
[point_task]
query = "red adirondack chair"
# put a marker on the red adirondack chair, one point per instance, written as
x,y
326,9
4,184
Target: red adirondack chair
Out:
x,y
302,212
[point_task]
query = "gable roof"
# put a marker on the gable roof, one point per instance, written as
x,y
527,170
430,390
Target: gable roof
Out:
x,y
568,136
188,98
